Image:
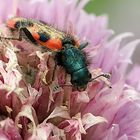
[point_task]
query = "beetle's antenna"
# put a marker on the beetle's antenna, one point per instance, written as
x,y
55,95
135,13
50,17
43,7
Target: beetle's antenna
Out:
x,y
83,45
105,75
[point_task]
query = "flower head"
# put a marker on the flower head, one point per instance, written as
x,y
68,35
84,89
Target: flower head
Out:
x,y
34,107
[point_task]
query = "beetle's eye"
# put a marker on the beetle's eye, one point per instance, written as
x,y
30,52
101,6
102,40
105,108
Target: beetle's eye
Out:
x,y
17,24
90,75
74,81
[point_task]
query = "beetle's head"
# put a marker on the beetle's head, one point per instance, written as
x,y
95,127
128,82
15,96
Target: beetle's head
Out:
x,y
80,79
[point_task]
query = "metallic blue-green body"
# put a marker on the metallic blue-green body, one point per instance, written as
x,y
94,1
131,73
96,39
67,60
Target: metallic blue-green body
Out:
x,y
74,62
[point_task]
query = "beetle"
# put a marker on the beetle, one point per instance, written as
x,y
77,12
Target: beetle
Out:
x,y
68,50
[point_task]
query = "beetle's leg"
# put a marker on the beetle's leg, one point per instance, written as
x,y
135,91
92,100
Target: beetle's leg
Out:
x,y
53,74
83,45
19,38
45,49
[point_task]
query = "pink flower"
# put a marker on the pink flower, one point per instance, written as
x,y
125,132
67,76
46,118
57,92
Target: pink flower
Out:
x,y
32,108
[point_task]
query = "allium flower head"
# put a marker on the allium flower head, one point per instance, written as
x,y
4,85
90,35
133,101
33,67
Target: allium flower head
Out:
x,y
32,107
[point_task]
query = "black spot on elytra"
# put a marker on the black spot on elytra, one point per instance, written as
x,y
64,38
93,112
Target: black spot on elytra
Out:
x,y
29,35
43,37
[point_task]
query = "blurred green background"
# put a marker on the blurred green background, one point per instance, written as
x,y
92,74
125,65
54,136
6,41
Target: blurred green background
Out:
x,y
124,16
